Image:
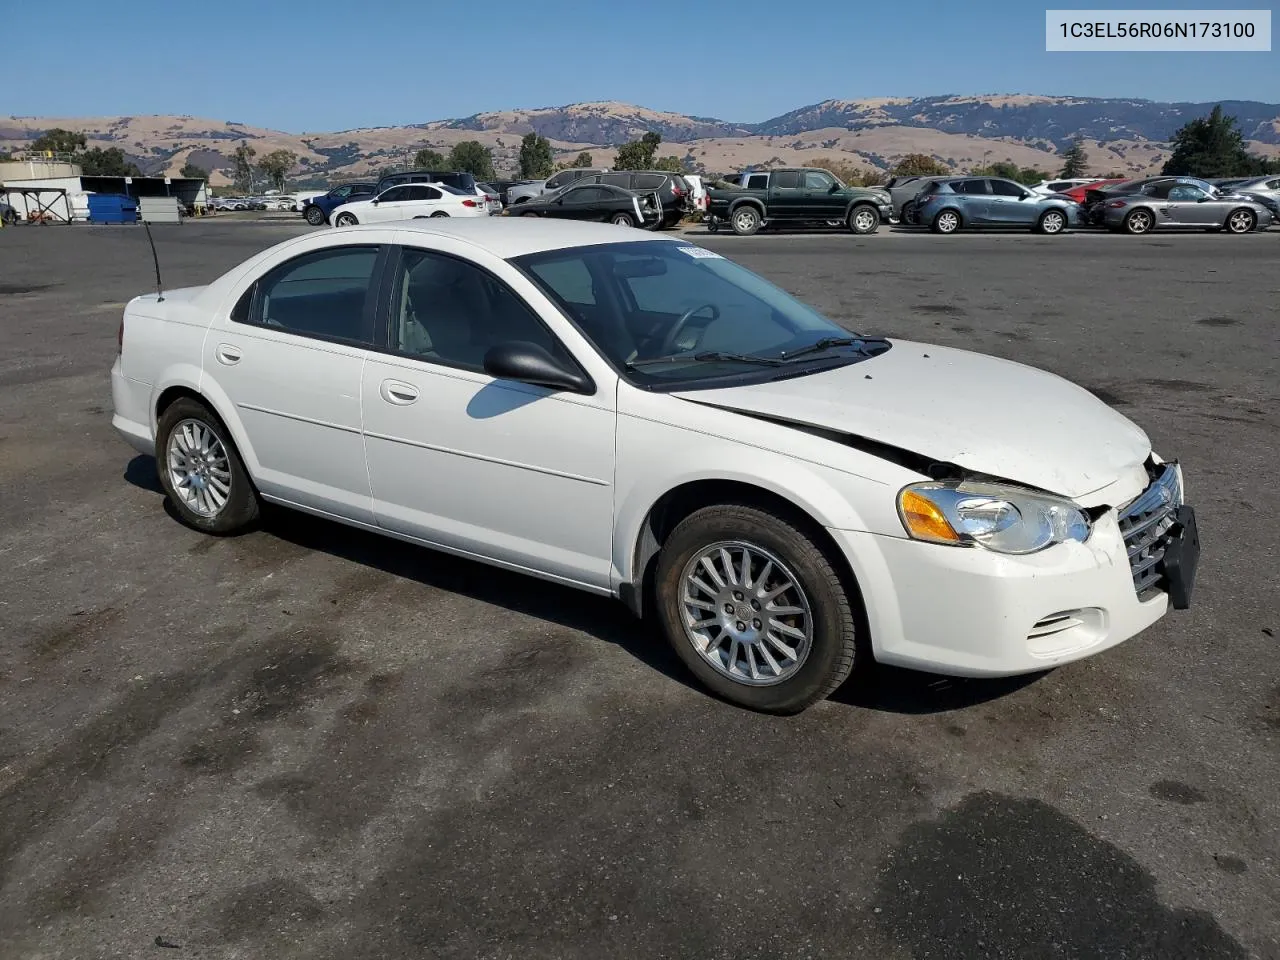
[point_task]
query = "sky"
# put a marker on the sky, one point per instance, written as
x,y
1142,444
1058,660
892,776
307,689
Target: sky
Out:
x,y
330,65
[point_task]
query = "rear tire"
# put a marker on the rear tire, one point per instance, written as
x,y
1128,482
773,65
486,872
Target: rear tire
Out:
x,y
1139,222
197,458
1241,221
745,220
346,220
314,216
947,221
1052,222
864,219
622,220
908,215
438,213
821,623
529,213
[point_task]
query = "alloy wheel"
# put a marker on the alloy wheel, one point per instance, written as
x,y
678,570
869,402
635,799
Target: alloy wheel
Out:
x,y
948,222
864,220
1241,222
1139,221
1052,222
199,470
745,613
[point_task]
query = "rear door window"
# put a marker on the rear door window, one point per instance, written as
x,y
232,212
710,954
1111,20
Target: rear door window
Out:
x,y
648,181
322,294
970,187
1006,188
622,180
787,180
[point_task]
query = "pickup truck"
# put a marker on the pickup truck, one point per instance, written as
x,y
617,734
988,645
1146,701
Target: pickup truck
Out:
x,y
793,196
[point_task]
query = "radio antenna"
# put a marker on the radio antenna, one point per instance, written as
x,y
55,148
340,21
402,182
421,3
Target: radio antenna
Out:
x,y
154,259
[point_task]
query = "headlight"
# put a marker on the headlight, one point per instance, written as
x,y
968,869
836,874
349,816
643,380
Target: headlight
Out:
x,y
1001,518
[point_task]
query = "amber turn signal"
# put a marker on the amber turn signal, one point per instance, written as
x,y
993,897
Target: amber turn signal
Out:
x,y
923,520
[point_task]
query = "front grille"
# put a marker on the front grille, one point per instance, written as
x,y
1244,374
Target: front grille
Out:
x,y
1145,524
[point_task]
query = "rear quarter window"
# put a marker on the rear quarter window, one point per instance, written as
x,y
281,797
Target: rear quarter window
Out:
x,y
649,181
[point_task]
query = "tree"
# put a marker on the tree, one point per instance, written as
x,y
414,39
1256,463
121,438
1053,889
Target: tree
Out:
x,y
242,166
1209,147
428,159
473,157
1074,161
582,161
111,162
5,155
638,154
192,172
919,165
276,166
58,140
535,157
671,164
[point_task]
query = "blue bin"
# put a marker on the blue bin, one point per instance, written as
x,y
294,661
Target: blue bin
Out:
x,y
112,208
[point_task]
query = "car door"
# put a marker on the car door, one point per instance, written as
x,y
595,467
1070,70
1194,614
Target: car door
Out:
x,y
388,205
508,471
288,358
974,200
1006,205
420,200
580,203
819,201
786,196
1192,206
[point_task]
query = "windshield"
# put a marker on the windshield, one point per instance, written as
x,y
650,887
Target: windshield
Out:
x,y
667,312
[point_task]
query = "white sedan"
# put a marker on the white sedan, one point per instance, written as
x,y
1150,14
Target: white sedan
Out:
x,y
639,417
410,201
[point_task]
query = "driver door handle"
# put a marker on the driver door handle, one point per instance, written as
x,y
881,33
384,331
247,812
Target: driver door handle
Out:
x,y
398,392
228,354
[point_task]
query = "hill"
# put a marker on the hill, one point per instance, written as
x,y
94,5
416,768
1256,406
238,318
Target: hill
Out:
x,y
1123,135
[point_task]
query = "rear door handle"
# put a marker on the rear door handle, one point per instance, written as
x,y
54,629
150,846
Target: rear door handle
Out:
x,y
227,354
398,392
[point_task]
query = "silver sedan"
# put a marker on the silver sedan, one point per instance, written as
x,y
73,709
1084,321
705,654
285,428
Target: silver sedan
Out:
x,y
1169,204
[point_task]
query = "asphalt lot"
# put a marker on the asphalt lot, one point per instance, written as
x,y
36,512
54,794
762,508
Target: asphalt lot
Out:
x,y
311,742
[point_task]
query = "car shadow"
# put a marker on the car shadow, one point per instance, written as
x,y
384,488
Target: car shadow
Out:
x,y
875,687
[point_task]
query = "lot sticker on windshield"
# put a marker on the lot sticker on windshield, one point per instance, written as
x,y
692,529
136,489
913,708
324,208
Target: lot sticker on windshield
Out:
x,y
701,252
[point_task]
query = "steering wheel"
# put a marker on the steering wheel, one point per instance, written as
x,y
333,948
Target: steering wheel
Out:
x,y
677,328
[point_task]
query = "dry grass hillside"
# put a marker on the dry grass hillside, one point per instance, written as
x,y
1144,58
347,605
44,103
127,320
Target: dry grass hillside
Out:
x,y
962,131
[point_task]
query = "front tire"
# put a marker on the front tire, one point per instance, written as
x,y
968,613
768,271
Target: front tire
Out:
x,y
755,608
201,470
947,221
622,220
745,220
1241,221
346,220
1052,222
864,219
1139,222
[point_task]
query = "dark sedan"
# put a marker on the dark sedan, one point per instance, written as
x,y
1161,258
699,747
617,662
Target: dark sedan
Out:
x,y
596,201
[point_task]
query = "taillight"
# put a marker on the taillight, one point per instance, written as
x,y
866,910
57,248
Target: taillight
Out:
x,y
675,188
468,203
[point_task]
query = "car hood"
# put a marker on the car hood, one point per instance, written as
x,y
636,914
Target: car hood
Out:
x,y
982,413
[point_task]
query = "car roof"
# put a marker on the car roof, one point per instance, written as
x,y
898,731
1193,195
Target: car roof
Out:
x,y
508,237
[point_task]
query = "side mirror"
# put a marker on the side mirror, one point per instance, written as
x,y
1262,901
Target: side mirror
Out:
x,y
1203,199
835,188
530,363
374,201
559,200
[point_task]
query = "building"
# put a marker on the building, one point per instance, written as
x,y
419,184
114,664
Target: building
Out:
x,y
61,189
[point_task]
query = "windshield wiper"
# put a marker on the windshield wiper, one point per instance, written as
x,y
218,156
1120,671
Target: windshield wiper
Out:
x,y
826,343
710,356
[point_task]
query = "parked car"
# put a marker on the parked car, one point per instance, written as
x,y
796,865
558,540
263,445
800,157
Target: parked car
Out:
x,y
8,214
408,201
491,195
967,202
903,191
1094,196
317,210
280,203
793,197
502,186
535,188
1046,187
697,192
1078,193
458,179
788,500
596,201
1181,204
1263,190
675,196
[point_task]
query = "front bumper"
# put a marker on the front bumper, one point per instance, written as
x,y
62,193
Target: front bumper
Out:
x,y
972,612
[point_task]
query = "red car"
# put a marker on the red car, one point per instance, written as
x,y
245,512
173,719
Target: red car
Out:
x,y
1077,193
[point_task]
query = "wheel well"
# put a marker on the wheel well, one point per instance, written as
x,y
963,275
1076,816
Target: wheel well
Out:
x,y
1132,210
956,210
676,504
168,397
1239,210
752,202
